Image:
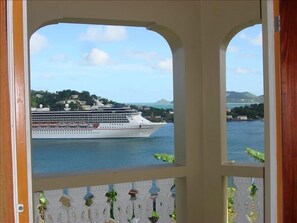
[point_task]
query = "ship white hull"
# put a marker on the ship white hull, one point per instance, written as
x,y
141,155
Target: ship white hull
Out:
x,y
104,131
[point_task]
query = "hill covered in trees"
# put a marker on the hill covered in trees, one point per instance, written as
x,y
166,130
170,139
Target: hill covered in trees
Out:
x,y
232,97
252,111
76,100
243,97
79,101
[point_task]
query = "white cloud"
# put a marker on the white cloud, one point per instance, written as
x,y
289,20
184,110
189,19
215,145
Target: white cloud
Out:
x,y
96,57
241,70
232,49
131,68
248,55
151,59
165,65
244,71
58,58
256,41
142,55
243,36
104,33
46,76
38,42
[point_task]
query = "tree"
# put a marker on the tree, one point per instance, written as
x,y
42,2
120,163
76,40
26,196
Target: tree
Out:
x,y
253,111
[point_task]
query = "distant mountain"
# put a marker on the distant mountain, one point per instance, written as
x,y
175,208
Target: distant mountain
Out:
x,y
240,97
243,97
261,98
163,101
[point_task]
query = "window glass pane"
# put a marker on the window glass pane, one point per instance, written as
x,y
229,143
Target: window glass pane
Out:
x,y
244,96
101,98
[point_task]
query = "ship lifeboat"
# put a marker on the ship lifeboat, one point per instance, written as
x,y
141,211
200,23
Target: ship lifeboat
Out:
x,y
83,124
72,124
62,125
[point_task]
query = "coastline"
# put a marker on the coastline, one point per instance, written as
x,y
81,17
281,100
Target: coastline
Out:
x,y
248,120
171,106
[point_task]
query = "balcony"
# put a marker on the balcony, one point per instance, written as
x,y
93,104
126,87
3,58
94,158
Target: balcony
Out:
x,y
143,202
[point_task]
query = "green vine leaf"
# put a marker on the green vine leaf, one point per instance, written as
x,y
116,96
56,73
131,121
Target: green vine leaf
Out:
x,y
258,156
165,157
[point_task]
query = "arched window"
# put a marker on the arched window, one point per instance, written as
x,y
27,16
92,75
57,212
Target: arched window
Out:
x,y
245,122
245,96
103,75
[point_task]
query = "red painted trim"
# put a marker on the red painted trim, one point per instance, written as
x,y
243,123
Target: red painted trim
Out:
x,y
288,45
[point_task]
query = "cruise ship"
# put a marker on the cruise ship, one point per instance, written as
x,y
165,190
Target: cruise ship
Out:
x,y
104,122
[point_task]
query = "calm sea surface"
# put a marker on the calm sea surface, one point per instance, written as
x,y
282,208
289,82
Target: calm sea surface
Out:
x,y
154,105
64,156
170,106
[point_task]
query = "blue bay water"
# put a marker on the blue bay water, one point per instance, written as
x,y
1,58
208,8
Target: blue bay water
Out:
x,y
66,156
60,156
170,106
244,134
154,105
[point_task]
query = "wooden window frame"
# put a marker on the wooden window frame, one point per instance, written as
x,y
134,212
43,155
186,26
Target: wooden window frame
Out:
x,y
6,177
13,119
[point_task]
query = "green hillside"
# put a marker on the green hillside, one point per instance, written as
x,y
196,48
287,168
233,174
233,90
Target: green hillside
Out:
x,y
56,101
242,97
79,101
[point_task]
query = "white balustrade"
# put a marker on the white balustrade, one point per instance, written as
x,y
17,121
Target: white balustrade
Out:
x,y
138,202
134,203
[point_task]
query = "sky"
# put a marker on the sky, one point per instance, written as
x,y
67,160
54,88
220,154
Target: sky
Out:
x,y
244,61
128,64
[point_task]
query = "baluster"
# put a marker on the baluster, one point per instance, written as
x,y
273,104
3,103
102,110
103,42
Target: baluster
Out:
x,y
134,201
164,201
258,201
242,199
154,192
147,210
112,196
77,200
172,201
90,213
53,205
66,212
123,209
42,213
144,206
101,202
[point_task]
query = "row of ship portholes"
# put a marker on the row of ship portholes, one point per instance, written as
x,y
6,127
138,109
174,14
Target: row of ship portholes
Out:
x,y
72,124
74,130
